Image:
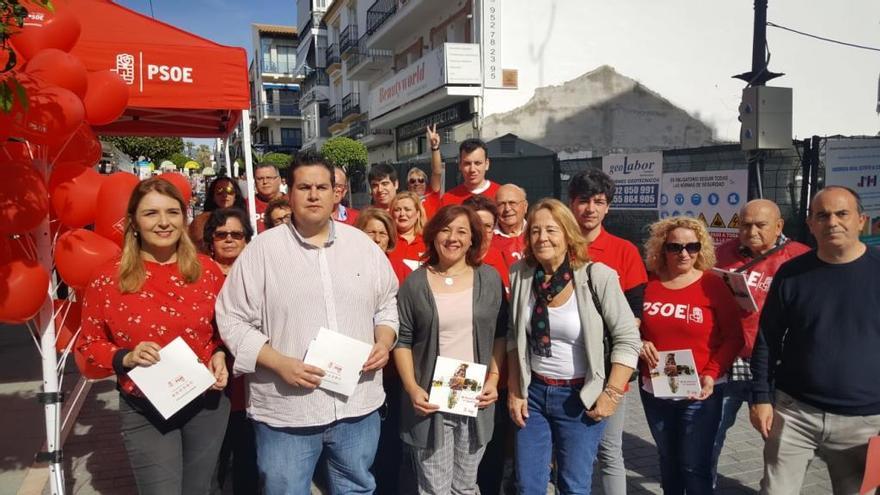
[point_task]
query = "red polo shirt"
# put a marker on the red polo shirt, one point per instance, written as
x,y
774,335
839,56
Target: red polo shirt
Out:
x,y
621,255
758,276
409,253
511,247
494,259
459,193
431,203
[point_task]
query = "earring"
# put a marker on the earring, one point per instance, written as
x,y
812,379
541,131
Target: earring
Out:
x,y
135,233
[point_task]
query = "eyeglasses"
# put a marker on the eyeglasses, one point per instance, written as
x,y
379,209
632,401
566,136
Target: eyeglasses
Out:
x,y
220,235
417,180
226,189
266,179
674,248
282,219
508,204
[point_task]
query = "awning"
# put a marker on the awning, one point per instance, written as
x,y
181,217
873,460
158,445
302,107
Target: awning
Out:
x,y
181,84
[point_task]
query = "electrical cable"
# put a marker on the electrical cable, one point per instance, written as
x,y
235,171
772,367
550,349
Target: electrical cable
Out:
x,y
853,45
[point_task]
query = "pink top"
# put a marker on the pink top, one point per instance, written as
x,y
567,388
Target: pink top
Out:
x,y
456,324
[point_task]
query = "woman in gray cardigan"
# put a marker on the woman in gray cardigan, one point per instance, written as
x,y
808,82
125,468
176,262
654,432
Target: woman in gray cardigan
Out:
x,y
452,307
558,389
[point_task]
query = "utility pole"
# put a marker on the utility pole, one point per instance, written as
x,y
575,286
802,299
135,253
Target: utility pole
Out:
x,y
758,76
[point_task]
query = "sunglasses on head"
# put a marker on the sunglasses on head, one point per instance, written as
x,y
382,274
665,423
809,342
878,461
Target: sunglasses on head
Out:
x,y
220,235
417,180
675,248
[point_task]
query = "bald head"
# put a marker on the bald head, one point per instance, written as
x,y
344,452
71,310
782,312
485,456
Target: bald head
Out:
x,y
760,225
512,206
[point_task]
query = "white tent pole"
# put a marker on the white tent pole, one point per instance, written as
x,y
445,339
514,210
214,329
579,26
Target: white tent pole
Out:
x,y
51,394
249,165
226,155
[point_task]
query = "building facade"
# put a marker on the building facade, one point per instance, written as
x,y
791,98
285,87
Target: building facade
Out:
x,y
276,118
311,72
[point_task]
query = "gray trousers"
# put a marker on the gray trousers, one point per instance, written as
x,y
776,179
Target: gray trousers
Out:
x,y
611,467
451,469
800,432
175,456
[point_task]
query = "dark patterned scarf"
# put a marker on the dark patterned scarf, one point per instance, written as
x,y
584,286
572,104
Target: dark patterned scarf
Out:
x,y
539,339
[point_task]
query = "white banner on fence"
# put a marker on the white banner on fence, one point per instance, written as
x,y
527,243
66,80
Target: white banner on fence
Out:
x,y
855,163
715,197
636,178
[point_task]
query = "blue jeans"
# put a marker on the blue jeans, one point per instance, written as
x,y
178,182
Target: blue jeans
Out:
x,y
557,423
684,431
735,394
287,457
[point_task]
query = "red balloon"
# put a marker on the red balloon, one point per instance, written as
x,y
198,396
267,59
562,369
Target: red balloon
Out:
x,y
44,29
67,320
51,115
74,193
24,201
86,368
55,67
180,182
106,97
24,285
112,201
83,148
78,253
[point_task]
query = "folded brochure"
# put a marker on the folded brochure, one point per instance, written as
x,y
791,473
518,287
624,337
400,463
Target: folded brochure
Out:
x,y
341,357
456,385
675,375
739,286
175,380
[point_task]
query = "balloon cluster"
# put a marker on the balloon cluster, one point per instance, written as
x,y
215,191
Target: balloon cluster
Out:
x,y
48,150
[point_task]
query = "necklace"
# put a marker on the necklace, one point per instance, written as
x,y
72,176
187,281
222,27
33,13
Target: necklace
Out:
x,y
448,278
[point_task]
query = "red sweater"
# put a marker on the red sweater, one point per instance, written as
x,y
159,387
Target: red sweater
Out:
x,y
165,308
759,277
702,317
459,193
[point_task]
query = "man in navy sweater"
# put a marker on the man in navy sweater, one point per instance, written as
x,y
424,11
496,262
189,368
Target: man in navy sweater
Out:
x,y
815,367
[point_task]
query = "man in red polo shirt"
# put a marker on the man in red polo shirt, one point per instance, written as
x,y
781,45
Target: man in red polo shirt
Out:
x,y
342,213
759,251
590,193
267,182
509,236
473,163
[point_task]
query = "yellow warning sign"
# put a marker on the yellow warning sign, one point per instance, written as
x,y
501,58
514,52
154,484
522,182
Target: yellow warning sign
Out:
x,y
702,218
734,222
717,222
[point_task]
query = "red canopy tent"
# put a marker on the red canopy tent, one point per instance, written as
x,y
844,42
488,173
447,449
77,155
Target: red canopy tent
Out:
x,y
181,84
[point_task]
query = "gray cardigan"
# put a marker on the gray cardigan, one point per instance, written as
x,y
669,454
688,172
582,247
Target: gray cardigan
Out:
x,y
625,340
419,331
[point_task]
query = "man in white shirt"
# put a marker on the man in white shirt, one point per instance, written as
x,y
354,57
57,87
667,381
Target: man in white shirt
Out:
x,y
287,284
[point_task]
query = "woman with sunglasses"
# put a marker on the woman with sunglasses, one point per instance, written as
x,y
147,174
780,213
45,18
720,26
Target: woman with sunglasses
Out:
x,y
227,232
223,192
686,307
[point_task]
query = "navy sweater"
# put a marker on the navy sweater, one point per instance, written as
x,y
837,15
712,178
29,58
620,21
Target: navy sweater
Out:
x,y
819,335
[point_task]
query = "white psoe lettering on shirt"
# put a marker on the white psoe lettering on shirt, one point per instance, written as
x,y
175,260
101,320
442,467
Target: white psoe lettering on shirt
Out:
x,y
759,281
678,311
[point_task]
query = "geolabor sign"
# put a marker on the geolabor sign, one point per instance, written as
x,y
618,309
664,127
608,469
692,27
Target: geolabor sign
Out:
x,y
453,63
131,71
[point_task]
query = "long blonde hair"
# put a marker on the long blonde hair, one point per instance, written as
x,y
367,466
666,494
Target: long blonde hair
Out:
x,y
132,273
574,240
421,219
654,258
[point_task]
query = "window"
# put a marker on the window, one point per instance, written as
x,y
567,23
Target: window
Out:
x,y
266,53
286,58
291,137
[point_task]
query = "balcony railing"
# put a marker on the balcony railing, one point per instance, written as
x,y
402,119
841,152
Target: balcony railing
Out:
x,y
334,115
278,67
281,110
348,39
317,77
351,104
273,147
364,54
332,55
378,13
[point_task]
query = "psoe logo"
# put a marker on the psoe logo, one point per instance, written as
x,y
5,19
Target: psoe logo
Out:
x,y
125,67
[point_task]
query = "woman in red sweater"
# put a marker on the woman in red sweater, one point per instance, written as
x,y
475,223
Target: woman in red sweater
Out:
x,y
686,307
159,289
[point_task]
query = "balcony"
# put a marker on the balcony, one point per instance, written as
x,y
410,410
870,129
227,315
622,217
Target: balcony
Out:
x,y
365,63
314,87
275,68
390,22
351,107
279,110
334,63
348,40
272,146
370,136
334,118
